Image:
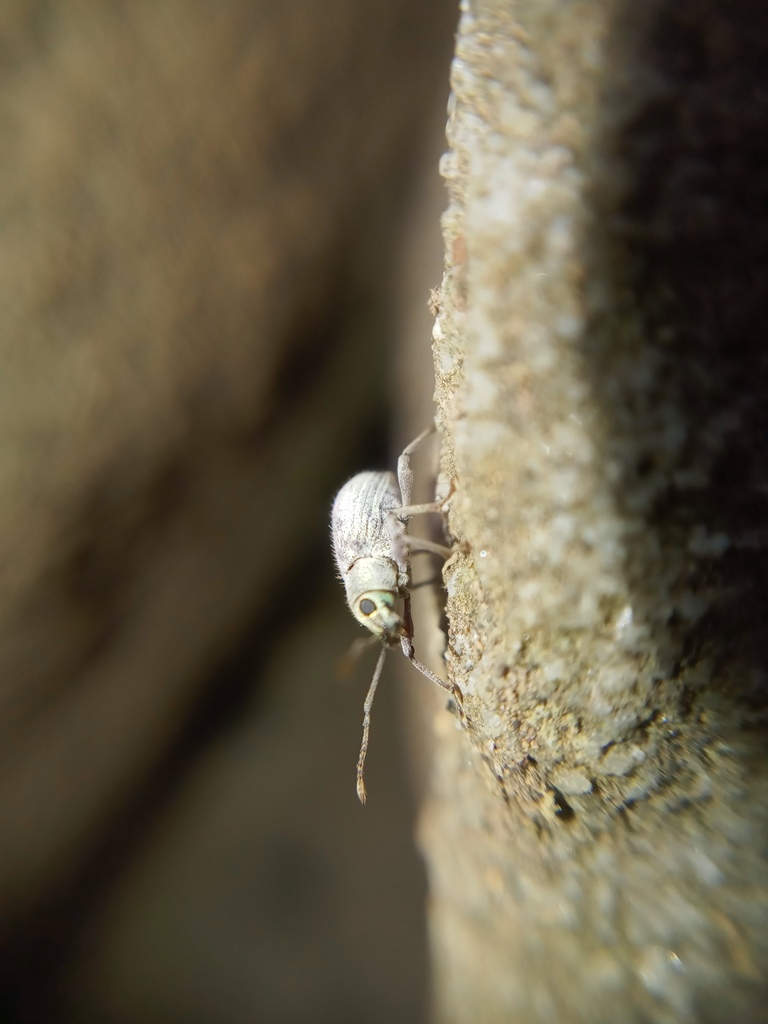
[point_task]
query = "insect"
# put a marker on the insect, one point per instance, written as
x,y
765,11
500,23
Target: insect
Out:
x,y
369,530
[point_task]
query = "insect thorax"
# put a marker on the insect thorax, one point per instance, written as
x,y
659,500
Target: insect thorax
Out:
x,y
372,592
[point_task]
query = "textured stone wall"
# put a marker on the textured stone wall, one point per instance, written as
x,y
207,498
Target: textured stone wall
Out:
x,y
597,824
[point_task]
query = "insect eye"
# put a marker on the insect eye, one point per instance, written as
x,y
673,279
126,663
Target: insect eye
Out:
x,y
367,607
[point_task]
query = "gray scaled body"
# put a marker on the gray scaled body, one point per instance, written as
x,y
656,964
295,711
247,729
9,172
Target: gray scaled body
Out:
x,y
370,549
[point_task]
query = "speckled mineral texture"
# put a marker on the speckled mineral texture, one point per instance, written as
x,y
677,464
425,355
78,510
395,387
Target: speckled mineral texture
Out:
x,y
597,823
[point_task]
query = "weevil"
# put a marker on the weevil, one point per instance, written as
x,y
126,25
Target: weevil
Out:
x,y
369,530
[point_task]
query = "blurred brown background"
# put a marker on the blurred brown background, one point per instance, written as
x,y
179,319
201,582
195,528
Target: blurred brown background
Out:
x,y
206,213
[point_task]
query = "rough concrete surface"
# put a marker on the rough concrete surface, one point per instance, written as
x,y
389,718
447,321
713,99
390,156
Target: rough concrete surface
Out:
x,y
596,827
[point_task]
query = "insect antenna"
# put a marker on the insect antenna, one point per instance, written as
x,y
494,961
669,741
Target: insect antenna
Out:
x,y
367,725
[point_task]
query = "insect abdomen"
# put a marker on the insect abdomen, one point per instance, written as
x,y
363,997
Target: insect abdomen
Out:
x,y
359,518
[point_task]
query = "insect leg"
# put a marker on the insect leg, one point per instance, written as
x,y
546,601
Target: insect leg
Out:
x,y
406,644
404,471
452,688
401,515
367,725
406,511
416,544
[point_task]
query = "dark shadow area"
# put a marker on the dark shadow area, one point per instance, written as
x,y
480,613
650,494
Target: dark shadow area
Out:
x,y
682,374
226,873
40,951
679,367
